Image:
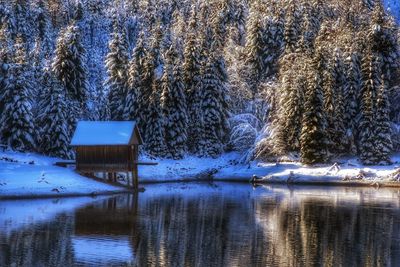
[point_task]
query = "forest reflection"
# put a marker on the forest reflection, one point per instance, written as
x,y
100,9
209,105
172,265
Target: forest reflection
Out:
x,y
217,225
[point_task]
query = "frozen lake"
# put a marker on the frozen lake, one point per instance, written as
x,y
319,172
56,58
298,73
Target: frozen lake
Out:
x,y
219,224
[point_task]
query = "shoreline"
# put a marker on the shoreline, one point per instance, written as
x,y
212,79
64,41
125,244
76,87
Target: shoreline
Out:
x,y
19,179
343,184
62,195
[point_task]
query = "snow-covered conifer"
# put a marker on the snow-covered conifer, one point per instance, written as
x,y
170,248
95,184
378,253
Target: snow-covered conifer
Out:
x,y
273,43
352,99
152,72
16,123
339,87
287,125
69,62
155,133
255,49
135,85
383,131
366,146
311,25
221,20
192,75
4,63
21,19
173,101
117,70
313,139
383,38
237,30
54,131
214,108
292,26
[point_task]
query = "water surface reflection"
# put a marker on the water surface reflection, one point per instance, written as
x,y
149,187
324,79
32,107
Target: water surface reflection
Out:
x,y
217,224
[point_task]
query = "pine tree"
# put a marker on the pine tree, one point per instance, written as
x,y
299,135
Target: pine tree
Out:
x,y
69,63
255,49
16,122
222,20
273,43
42,52
155,134
292,26
287,125
191,72
313,139
135,85
330,105
295,111
152,72
117,70
4,64
21,19
383,136
340,87
214,108
54,133
382,36
311,24
367,125
173,101
353,97
237,30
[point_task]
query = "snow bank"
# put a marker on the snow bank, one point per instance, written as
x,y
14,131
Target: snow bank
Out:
x,y
23,175
227,168
187,169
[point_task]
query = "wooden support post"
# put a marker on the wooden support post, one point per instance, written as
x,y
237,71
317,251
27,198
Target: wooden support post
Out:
x,y
135,177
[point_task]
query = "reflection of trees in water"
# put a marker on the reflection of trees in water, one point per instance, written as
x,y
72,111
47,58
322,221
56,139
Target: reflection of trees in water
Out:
x,y
195,232
241,231
316,232
46,244
219,229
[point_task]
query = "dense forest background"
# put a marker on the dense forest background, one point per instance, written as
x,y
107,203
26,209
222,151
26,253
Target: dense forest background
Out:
x,y
311,80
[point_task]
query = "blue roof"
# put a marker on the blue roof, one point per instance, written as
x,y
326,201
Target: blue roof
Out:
x,y
92,133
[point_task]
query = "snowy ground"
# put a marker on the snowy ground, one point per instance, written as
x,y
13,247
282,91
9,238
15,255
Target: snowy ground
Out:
x,y
227,168
34,175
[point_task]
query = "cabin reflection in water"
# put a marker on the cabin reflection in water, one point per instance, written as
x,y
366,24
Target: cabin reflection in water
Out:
x,y
106,232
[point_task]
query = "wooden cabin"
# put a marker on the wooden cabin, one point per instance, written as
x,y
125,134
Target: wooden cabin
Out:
x,y
107,147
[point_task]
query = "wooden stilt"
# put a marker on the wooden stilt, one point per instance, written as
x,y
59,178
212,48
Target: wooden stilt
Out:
x,y
135,181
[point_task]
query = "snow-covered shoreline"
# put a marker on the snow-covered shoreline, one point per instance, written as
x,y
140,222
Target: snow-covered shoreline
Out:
x,y
347,172
34,176
25,175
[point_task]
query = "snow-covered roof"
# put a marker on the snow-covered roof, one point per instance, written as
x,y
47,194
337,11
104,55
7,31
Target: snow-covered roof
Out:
x,y
92,133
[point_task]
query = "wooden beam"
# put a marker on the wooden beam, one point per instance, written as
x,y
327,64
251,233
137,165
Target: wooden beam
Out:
x,y
145,163
64,163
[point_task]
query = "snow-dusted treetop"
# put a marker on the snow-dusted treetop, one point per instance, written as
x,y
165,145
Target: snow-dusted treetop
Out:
x,y
95,133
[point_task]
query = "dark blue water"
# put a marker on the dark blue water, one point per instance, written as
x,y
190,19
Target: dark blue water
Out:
x,y
206,225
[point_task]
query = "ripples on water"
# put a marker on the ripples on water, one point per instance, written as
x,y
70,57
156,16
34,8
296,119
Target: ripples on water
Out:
x,y
206,225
